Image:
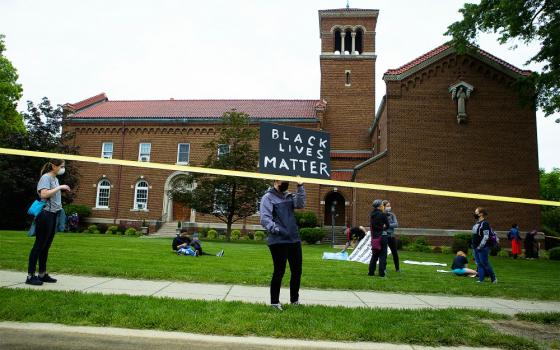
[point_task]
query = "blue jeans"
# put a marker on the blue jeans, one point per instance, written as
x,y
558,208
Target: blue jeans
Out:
x,y
484,267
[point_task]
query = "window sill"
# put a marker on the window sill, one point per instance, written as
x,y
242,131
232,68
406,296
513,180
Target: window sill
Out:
x,y
100,208
144,210
181,163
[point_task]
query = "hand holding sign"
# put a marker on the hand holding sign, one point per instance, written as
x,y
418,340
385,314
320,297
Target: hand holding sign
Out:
x,y
287,150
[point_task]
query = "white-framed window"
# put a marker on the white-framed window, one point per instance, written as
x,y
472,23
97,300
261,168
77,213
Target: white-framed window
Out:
x,y
103,194
107,150
223,150
141,195
183,153
220,207
144,152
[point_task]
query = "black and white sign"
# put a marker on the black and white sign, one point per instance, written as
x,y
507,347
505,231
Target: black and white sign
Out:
x,y
287,150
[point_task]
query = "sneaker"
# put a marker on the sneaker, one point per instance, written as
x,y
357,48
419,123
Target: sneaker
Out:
x,y
295,303
277,307
33,280
47,279
495,281
220,253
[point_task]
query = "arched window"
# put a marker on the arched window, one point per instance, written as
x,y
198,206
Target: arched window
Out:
x,y
337,42
359,40
103,194
141,195
348,41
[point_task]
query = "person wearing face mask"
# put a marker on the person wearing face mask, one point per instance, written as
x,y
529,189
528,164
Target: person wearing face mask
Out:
x,y
49,191
481,245
391,239
278,218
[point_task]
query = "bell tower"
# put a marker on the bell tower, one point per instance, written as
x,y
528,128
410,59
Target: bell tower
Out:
x,y
348,75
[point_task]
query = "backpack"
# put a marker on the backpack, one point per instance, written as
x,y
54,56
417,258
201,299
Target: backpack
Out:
x,y
493,240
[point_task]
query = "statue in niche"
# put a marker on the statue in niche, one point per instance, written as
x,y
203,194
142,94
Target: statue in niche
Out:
x,y
461,110
461,91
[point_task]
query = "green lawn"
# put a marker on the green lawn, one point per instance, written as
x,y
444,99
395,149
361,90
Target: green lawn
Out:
x,y
250,263
449,327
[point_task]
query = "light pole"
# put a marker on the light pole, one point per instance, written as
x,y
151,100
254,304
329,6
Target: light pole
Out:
x,y
333,216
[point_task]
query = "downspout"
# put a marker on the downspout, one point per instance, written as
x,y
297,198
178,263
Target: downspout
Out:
x,y
119,177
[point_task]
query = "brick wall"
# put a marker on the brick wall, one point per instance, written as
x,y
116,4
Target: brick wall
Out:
x,y
494,153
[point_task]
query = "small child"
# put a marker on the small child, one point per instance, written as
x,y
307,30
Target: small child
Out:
x,y
459,266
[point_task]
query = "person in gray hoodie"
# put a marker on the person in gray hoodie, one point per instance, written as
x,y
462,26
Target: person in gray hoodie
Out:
x,y
278,218
391,239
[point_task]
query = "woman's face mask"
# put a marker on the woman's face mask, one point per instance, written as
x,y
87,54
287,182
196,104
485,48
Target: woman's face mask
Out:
x,y
61,171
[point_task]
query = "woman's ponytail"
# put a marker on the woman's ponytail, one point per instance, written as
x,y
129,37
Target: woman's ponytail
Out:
x,y
49,165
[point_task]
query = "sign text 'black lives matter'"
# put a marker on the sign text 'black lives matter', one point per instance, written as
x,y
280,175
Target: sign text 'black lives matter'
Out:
x,y
287,150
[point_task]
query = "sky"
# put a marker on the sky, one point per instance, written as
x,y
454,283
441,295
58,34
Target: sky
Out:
x,y
70,50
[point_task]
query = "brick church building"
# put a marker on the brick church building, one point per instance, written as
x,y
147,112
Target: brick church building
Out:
x,y
447,121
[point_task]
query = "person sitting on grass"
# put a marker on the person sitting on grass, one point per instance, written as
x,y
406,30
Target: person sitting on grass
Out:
x,y
459,266
185,245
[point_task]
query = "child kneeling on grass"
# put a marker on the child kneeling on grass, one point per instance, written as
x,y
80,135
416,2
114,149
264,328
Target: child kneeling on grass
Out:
x,y
459,266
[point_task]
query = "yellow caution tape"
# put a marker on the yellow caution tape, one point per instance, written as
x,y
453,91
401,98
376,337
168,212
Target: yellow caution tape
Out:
x,y
194,169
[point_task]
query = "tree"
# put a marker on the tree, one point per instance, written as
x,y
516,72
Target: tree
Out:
x,y
19,175
550,190
526,20
10,93
228,198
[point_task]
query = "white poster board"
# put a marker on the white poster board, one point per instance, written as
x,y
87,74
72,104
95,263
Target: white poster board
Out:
x,y
362,252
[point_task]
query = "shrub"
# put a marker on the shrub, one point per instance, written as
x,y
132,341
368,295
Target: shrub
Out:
x,y
446,250
91,229
121,228
222,237
251,235
235,234
203,231
306,219
244,238
419,245
461,241
111,230
312,234
495,250
102,227
96,232
83,211
259,236
402,242
212,234
504,253
436,250
131,231
554,253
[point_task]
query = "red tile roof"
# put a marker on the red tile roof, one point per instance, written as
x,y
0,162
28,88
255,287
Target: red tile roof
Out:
x,y
278,109
343,175
351,155
87,102
443,48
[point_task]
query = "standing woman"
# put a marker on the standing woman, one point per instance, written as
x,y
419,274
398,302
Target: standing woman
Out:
x,y
278,217
378,225
481,245
49,190
391,239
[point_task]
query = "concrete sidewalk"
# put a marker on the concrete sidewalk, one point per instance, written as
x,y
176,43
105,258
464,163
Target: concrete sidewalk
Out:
x,y
15,335
251,294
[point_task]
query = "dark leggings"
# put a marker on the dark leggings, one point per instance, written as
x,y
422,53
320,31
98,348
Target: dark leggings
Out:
x,y
281,253
45,225
392,243
380,255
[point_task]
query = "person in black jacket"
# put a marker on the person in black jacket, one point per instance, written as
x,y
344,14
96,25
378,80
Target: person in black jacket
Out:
x,y
378,223
481,244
